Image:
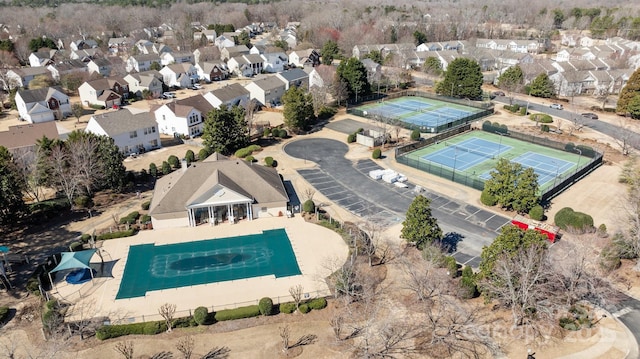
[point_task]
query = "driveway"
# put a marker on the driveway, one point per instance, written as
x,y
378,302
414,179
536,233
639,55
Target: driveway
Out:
x,y
348,185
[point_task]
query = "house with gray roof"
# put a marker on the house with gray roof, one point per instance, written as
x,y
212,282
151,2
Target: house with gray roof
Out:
x,y
41,58
181,75
275,58
294,77
140,63
67,67
228,52
212,70
145,81
20,77
268,91
230,95
183,117
217,190
107,92
21,139
246,65
99,66
131,133
42,105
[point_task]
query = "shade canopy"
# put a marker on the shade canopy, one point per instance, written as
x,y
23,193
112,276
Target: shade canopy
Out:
x,y
72,260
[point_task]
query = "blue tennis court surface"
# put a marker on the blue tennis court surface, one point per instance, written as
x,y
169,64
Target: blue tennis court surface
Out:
x,y
547,168
467,154
150,267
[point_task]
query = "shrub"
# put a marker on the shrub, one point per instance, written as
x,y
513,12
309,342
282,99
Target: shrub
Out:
x,y
184,322
75,247
268,161
610,258
266,306
468,286
202,154
174,161
254,148
351,138
287,308
308,206
166,168
200,315
304,309
189,156
153,169
452,266
4,313
537,213
82,201
377,153
151,328
541,117
266,132
602,231
488,199
243,152
318,303
571,221
119,330
415,135
326,112
51,304
238,313
96,107
250,159
85,238
544,128
120,234
144,219
145,205
131,218
283,133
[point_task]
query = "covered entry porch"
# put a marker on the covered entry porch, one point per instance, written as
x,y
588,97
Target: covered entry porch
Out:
x,y
216,213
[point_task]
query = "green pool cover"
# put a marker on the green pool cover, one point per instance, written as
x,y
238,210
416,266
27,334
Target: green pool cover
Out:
x,y
150,267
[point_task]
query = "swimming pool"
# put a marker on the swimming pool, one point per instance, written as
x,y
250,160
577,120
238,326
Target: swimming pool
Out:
x,y
150,267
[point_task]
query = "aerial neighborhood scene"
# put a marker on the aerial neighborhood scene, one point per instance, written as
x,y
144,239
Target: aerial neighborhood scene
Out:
x,y
319,179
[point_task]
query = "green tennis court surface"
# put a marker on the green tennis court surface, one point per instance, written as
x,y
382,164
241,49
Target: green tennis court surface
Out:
x,y
150,267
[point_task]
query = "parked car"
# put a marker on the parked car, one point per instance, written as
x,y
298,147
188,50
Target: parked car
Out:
x,y
196,86
556,106
167,95
590,115
498,93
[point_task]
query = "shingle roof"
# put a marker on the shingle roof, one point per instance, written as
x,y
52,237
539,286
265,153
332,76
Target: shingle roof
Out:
x,y
26,135
31,71
174,191
182,107
123,121
149,57
107,83
269,83
293,74
42,94
230,92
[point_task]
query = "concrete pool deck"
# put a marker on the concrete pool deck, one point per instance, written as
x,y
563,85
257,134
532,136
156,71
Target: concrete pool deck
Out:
x,y
316,248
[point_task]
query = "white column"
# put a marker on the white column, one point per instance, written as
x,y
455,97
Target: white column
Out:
x,y
211,219
249,212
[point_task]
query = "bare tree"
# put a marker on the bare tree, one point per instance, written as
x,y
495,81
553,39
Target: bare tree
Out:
x,y
162,355
424,279
217,353
80,317
27,161
167,311
77,111
83,157
339,90
308,193
125,348
65,176
284,337
185,346
296,292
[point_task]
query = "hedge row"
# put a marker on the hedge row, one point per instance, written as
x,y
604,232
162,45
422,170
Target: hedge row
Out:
x,y
576,222
119,330
494,127
581,149
131,218
120,234
238,313
541,117
246,151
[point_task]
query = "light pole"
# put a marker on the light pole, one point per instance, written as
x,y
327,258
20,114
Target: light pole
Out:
x,y
579,156
455,158
557,172
500,142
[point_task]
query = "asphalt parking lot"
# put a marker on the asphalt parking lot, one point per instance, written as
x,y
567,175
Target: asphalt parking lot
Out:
x,y
348,185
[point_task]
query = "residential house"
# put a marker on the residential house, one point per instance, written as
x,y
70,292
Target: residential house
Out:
x,y
41,58
83,44
290,37
227,53
275,58
520,46
131,133
486,58
507,59
229,95
107,92
294,77
68,67
302,58
183,117
322,76
145,81
204,54
571,82
574,54
140,63
86,55
620,79
42,105
267,91
446,57
586,41
179,75
223,42
540,66
209,35
246,65
360,51
22,139
119,45
20,77
168,58
374,70
99,66
144,46
215,190
212,70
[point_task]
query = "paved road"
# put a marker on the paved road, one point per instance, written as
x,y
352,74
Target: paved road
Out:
x,y
599,126
348,185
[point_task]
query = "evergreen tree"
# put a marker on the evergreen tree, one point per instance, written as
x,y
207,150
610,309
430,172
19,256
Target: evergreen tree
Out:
x,y
628,93
542,86
375,56
510,241
354,74
462,79
225,130
244,39
432,66
419,37
512,186
112,163
12,186
298,108
420,227
512,79
329,52
155,66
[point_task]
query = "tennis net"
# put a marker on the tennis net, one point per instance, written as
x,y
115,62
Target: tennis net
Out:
x,y
475,152
404,107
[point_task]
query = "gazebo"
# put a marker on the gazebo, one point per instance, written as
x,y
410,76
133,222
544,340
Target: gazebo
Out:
x,y
73,260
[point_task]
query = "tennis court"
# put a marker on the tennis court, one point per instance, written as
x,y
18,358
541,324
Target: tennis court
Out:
x,y
425,114
470,157
150,267
467,154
